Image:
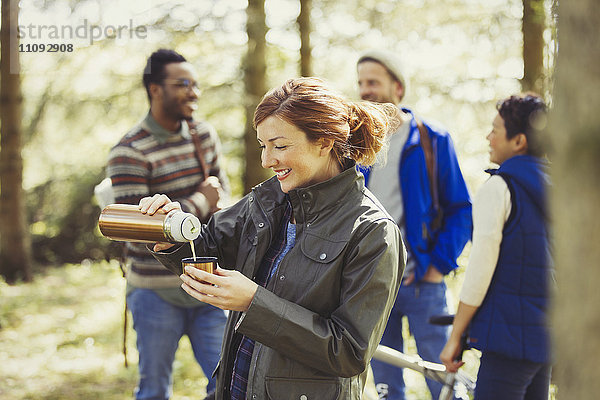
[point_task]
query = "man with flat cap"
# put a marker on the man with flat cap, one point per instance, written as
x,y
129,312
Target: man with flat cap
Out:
x,y
423,189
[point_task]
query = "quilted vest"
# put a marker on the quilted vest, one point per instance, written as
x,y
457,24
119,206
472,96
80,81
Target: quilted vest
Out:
x,y
512,320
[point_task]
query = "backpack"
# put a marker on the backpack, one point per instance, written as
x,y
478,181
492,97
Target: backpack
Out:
x,y
104,193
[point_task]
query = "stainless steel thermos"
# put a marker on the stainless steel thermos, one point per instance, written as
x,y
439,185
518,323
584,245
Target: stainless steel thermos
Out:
x,y
125,222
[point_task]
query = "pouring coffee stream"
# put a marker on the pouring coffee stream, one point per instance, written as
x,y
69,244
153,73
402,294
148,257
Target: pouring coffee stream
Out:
x,y
193,249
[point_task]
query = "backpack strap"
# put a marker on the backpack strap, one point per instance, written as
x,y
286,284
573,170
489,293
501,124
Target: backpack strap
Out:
x,y
199,153
431,172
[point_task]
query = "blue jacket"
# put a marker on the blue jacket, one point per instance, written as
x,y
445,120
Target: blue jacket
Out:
x,y
440,247
512,318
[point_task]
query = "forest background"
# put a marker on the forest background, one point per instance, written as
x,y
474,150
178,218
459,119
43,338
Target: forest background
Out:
x,y
61,112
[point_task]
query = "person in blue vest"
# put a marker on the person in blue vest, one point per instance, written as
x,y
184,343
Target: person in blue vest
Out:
x,y
423,189
504,298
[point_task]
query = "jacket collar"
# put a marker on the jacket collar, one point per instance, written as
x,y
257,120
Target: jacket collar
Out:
x,y
531,173
160,133
308,202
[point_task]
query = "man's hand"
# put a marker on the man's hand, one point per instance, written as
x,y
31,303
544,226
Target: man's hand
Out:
x,y
213,191
450,353
432,275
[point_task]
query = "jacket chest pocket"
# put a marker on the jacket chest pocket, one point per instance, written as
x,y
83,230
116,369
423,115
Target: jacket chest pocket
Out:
x,y
302,389
321,250
320,257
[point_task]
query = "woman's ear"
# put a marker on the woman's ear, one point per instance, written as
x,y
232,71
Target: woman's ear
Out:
x,y
326,145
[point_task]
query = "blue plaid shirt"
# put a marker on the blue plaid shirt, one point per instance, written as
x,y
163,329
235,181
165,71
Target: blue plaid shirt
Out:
x,y
283,243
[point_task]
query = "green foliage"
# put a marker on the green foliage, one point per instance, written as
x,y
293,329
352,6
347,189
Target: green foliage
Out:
x,y
460,57
64,220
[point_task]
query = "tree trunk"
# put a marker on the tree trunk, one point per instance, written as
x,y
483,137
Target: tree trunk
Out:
x,y
15,244
534,18
254,78
304,26
575,134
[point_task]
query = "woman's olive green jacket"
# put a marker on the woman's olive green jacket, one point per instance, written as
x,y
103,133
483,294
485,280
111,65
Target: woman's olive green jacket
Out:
x,y
321,316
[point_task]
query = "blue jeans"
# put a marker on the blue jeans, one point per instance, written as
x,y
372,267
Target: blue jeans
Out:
x,y
159,326
418,302
505,378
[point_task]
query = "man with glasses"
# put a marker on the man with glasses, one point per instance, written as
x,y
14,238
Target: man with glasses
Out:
x,y
168,152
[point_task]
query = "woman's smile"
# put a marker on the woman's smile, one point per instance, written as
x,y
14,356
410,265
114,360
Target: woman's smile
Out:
x,y
282,173
296,161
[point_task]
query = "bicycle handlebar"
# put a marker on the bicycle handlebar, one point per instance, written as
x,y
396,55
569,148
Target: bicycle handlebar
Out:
x,y
399,359
428,369
441,319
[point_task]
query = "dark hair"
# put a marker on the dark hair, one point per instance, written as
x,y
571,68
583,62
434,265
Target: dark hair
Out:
x,y
524,113
358,130
154,72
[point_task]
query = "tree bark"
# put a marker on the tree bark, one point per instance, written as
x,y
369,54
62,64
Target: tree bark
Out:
x,y
254,79
304,27
575,134
534,23
15,242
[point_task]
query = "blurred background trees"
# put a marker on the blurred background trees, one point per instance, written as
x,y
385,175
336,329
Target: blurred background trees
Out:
x,y
460,56
575,135
61,112
534,23
255,81
15,249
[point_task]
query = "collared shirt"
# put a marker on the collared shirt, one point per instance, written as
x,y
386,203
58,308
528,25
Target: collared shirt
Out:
x,y
161,134
268,268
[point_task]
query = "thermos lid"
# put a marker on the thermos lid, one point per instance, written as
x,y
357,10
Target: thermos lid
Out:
x,y
183,227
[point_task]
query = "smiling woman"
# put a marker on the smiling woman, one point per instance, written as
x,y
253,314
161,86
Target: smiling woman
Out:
x,y
295,161
305,132
309,261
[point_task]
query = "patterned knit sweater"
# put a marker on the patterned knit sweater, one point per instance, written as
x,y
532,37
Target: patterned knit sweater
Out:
x,y
150,160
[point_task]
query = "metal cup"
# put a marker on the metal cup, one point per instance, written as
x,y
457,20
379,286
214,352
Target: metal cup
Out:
x,y
208,264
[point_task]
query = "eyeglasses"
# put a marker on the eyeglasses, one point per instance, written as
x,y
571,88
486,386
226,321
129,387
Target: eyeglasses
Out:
x,y
183,84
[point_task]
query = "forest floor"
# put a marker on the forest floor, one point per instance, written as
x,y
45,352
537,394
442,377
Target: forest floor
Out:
x,y
62,338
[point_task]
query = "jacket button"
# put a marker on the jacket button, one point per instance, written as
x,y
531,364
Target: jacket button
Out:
x,y
251,198
323,256
253,396
303,397
282,277
261,224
